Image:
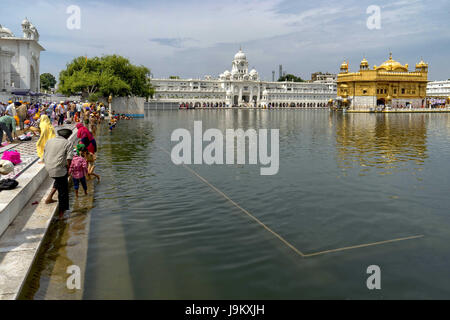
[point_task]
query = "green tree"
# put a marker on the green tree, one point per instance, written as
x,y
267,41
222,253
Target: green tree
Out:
x,y
48,81
101,76
174,77
291,78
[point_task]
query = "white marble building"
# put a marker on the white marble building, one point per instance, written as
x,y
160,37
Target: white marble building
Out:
x,y
243,88
20,59
438,89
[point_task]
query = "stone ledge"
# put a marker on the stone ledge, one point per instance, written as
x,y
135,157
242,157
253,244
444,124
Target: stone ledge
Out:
x,y
13,201
21,242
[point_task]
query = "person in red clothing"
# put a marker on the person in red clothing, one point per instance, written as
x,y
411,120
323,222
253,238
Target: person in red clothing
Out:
x,y
86,138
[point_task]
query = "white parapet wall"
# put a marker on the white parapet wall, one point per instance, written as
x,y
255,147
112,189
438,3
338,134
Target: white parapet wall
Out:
x,y
413,103
364,102
127,105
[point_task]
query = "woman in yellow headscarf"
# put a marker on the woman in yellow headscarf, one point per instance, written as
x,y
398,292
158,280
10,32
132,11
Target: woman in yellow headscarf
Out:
x,y
47,133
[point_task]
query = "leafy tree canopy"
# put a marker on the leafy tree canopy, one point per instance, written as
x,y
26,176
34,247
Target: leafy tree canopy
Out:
x,y
291,78
101,76
47,81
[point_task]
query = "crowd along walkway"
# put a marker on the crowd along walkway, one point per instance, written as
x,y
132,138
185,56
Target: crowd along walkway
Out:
x,y
24,218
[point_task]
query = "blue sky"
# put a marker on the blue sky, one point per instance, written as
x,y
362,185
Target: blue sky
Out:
x,y
196,38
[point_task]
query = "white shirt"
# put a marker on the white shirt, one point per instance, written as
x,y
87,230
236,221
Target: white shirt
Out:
x,y
61,109
11,110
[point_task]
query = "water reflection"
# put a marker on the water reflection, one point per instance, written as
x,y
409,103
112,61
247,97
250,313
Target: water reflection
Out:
x,y
65,245
158,232
383,141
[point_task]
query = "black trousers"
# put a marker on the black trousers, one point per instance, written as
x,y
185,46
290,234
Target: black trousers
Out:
x,y
61,120
62,186
4,127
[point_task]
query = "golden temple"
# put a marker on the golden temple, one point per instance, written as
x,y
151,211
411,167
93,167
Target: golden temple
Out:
x,y
387,85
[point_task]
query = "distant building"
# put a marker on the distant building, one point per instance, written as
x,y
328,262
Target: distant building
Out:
x,y
439,89
390,84
242,88
20,59
323,77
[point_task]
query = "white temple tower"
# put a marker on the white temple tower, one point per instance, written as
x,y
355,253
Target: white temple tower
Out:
x,y
20,59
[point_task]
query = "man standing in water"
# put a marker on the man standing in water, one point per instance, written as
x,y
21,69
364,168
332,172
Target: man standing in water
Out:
x,y
58,154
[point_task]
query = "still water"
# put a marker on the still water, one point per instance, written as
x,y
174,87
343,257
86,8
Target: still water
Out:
x,y
158,232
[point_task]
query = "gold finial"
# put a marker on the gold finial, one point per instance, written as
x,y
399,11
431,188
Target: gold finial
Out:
x,y
390,55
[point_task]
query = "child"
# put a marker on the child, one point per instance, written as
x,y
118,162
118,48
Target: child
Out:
x,y
79,169
90,158
112,124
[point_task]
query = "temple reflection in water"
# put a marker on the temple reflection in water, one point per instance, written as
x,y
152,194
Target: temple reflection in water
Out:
x,y
385,141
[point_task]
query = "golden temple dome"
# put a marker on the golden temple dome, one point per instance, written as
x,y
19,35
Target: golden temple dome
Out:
x,y
364,65
421,64
344,65
392,65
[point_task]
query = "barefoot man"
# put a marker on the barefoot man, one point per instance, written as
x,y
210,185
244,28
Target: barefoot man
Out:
x,y
58,154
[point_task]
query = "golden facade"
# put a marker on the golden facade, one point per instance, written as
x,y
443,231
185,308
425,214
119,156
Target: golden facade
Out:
x,y
390,84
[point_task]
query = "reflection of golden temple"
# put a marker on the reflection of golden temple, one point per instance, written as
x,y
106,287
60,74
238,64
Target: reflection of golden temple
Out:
x,y
390,84
384,142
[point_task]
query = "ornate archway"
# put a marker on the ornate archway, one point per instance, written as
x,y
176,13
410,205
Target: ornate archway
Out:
x,y
34,74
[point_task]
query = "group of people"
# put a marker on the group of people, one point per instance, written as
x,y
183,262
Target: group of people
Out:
x,y
26,117
55,151
63,161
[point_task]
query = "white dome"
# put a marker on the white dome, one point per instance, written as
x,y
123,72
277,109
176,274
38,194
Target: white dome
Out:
x,y
227,73
240,55
265,93
25,22
253,72
5,32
